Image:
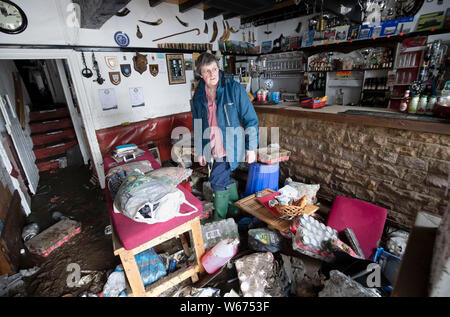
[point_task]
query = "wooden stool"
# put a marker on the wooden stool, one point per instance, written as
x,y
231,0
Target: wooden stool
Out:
x,y
132,271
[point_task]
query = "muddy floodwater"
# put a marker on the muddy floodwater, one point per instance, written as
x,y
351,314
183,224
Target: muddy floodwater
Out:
x,y
69,192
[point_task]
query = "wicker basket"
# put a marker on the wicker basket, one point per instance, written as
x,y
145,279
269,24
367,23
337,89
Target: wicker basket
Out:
x,y
289,210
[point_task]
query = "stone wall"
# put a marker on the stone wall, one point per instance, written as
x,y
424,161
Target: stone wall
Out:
x,y
403,171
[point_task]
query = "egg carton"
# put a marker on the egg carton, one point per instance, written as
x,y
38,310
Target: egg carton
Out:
x,y
311,237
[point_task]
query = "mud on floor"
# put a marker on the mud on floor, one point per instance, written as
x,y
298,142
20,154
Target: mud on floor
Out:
x,y
70,192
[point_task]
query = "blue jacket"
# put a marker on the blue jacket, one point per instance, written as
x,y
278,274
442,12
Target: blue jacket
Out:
x,y
236,118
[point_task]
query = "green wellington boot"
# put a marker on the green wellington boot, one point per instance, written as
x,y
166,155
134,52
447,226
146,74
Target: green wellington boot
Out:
x,y
233,197
220,204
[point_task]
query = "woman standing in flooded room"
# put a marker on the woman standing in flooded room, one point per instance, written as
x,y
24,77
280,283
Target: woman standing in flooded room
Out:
x,y
222,107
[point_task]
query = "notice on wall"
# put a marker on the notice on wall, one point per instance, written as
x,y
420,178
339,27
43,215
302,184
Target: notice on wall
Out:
x,y
108,98
137,97
161,62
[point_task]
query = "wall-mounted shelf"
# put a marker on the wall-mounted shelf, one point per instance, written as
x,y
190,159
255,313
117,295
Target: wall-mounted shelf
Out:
x,y
348,46
101,48
347,70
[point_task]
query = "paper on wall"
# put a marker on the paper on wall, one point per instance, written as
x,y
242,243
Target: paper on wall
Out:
x,y
108,98
137,96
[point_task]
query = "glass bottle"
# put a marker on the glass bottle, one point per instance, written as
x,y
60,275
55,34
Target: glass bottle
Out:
x,y
422,104
339,97
405,101
412,107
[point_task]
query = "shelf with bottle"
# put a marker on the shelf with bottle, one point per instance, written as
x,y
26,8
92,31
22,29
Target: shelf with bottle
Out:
x,y
347,70
375,84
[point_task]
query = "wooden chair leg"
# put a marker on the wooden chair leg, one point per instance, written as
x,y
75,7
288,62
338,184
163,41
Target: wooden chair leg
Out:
x,y
194,278
198,243
185,245
132,273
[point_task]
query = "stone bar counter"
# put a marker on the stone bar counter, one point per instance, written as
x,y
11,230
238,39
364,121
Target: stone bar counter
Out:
x,y
402,165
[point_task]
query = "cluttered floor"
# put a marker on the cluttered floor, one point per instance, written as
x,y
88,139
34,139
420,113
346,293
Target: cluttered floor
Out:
x,y
82,266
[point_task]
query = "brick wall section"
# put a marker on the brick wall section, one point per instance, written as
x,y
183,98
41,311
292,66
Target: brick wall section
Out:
x,y
403,171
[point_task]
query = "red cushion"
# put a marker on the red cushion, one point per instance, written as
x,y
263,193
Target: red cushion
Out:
x,y
365,219
131,233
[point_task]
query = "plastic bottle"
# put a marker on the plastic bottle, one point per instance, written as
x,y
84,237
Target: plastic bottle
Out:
x,y
412,107
220,254
422,104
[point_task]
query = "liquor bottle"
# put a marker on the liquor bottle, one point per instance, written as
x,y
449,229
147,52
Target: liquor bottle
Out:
x,y
405,101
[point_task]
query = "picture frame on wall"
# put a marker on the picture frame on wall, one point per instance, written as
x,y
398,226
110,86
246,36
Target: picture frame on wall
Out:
x,y
430,21
176,69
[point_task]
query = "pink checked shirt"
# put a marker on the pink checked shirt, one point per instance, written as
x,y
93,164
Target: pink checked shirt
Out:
x,y
216,140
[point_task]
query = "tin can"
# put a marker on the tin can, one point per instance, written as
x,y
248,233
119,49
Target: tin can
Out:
x,y
172,265
259,96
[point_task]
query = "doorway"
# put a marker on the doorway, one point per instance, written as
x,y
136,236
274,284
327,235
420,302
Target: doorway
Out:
x,y
40,122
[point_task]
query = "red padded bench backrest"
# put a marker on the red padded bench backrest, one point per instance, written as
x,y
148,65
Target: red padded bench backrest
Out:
x,y
156,130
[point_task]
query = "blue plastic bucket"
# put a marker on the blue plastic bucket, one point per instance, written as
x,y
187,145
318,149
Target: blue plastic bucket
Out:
x,y
262,176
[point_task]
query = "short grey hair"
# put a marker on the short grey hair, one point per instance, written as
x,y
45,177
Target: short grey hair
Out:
x,y
205,59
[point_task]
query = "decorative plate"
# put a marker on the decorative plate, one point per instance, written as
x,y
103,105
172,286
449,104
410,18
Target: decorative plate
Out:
x,y
122,39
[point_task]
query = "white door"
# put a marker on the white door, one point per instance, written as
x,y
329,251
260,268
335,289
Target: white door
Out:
x,y
21,143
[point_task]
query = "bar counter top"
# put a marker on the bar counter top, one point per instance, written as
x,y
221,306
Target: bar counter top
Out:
x,y
372,116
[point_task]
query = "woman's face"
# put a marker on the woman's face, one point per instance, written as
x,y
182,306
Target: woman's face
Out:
x,y
210,74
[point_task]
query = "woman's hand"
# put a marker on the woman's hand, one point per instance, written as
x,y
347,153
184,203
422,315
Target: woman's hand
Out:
x,y
201,160
251,157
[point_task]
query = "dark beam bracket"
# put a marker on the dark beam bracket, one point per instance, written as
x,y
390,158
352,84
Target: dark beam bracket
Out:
x,y
154,3
282,14
211,13
188,5
230,15
95,13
